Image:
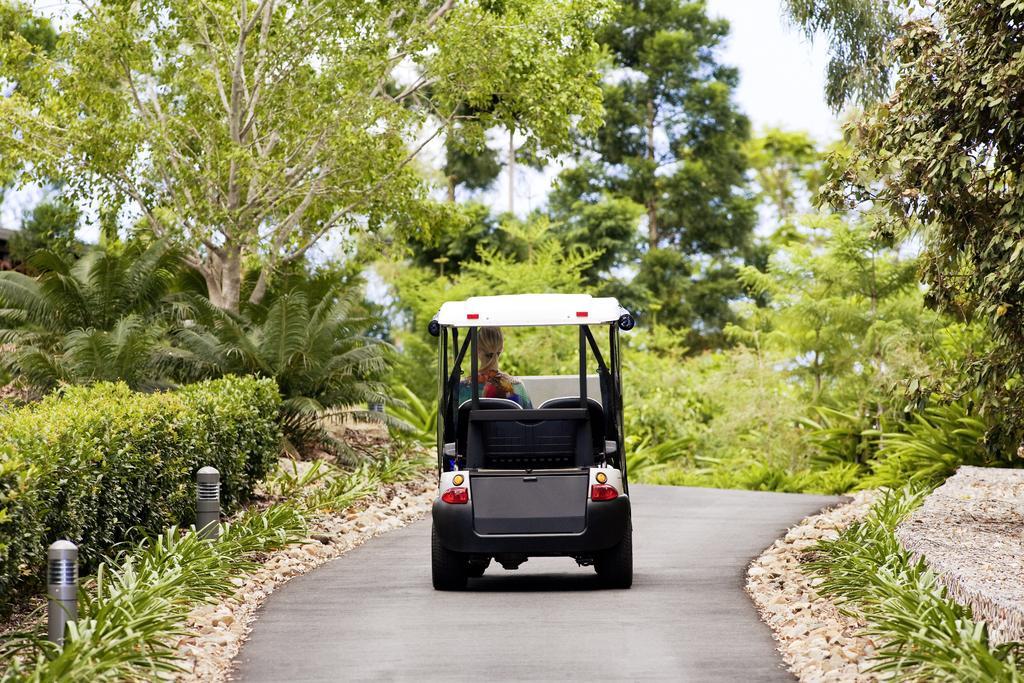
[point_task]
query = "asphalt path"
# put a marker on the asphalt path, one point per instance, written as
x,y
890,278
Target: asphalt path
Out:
x,y
372,613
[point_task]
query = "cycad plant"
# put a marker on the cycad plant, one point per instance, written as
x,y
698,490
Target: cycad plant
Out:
x,y
318,351
90,319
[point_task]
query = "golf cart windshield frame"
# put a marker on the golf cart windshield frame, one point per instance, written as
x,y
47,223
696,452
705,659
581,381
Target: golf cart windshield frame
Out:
x,y
449,380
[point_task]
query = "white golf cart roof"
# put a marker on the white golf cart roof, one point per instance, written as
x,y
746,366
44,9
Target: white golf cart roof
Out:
x,y
530,309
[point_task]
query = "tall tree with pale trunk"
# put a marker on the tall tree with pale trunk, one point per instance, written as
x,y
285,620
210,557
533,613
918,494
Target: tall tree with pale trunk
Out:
x,y
246,131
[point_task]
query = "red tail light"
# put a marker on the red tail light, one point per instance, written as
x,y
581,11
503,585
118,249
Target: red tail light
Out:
x,y
458,495
603,492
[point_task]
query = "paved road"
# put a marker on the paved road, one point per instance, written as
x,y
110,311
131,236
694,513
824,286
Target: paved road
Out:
x,y
372,614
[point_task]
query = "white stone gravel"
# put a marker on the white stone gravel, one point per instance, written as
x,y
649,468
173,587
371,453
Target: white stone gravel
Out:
x,y
816,640
216,631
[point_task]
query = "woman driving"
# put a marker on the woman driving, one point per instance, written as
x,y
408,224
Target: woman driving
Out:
x,y
493,382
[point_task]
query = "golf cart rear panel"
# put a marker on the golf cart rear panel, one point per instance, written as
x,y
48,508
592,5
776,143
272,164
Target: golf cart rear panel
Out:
x,y
514,503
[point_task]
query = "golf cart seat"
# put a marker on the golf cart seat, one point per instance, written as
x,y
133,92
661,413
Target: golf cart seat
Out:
x,y
514,438
596,415
485,404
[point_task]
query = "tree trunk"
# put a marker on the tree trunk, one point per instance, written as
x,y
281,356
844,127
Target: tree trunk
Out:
x,y
652,201
223,275
260,290
511,172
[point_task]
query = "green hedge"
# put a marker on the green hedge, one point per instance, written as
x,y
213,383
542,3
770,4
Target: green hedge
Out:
x,y
102,465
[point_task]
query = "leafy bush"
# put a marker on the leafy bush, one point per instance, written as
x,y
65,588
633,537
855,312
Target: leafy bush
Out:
x,y
101,465
416,419
925,636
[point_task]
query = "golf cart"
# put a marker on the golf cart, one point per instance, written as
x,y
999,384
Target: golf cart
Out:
x,y
543,481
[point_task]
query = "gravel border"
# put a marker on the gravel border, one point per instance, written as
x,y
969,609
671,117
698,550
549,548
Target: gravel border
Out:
x,y
217,631
817,641
968,531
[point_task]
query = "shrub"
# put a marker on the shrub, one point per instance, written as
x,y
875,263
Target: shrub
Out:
x,y
923,635
101,465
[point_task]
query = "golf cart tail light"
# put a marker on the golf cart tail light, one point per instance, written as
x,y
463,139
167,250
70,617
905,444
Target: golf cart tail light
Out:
x,y
456,496
601,477
581,314
603,492
458,479
472,316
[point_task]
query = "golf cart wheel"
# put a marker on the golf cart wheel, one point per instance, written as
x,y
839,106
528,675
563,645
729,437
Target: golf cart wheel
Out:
x,y
476,568
447,568
615,565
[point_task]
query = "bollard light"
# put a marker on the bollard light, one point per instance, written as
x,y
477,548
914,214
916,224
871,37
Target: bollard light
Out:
x,y
208,503
61,588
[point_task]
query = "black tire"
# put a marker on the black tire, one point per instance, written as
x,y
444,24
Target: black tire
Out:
x,y
615,565
447,568
476,568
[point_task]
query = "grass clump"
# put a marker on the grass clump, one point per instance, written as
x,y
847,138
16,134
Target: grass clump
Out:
x,y
135,606
130,612
925,636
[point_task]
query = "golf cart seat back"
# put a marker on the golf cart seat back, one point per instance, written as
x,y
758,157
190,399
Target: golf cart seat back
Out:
x,y
485,404
593,407
502,437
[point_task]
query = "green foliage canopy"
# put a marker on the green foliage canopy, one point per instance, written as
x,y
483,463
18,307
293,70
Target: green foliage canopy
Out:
x,y
943,154
246,130
859,32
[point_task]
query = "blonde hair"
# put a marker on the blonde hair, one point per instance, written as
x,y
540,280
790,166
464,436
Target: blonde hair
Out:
x,y
490,342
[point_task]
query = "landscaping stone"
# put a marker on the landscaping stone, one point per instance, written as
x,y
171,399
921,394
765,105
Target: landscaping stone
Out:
x,y
969,532
817,641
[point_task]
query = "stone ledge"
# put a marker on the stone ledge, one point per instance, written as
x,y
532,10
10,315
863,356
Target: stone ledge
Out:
x,y
970,532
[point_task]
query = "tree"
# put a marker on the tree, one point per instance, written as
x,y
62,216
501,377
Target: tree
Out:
x,y
673,143
35,35
843,308
672,136
943,157
246,130
859,33
51,225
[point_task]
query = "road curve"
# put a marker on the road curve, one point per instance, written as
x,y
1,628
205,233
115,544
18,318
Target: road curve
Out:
x,y
372,614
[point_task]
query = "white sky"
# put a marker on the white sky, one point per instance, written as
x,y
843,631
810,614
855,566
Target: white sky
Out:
x,y
782,76
781,84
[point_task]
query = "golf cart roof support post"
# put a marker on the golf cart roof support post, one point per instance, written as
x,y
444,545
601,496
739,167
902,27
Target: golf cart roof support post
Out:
x,y
596,351
615,359
583,366
452,382
442,386
474,365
